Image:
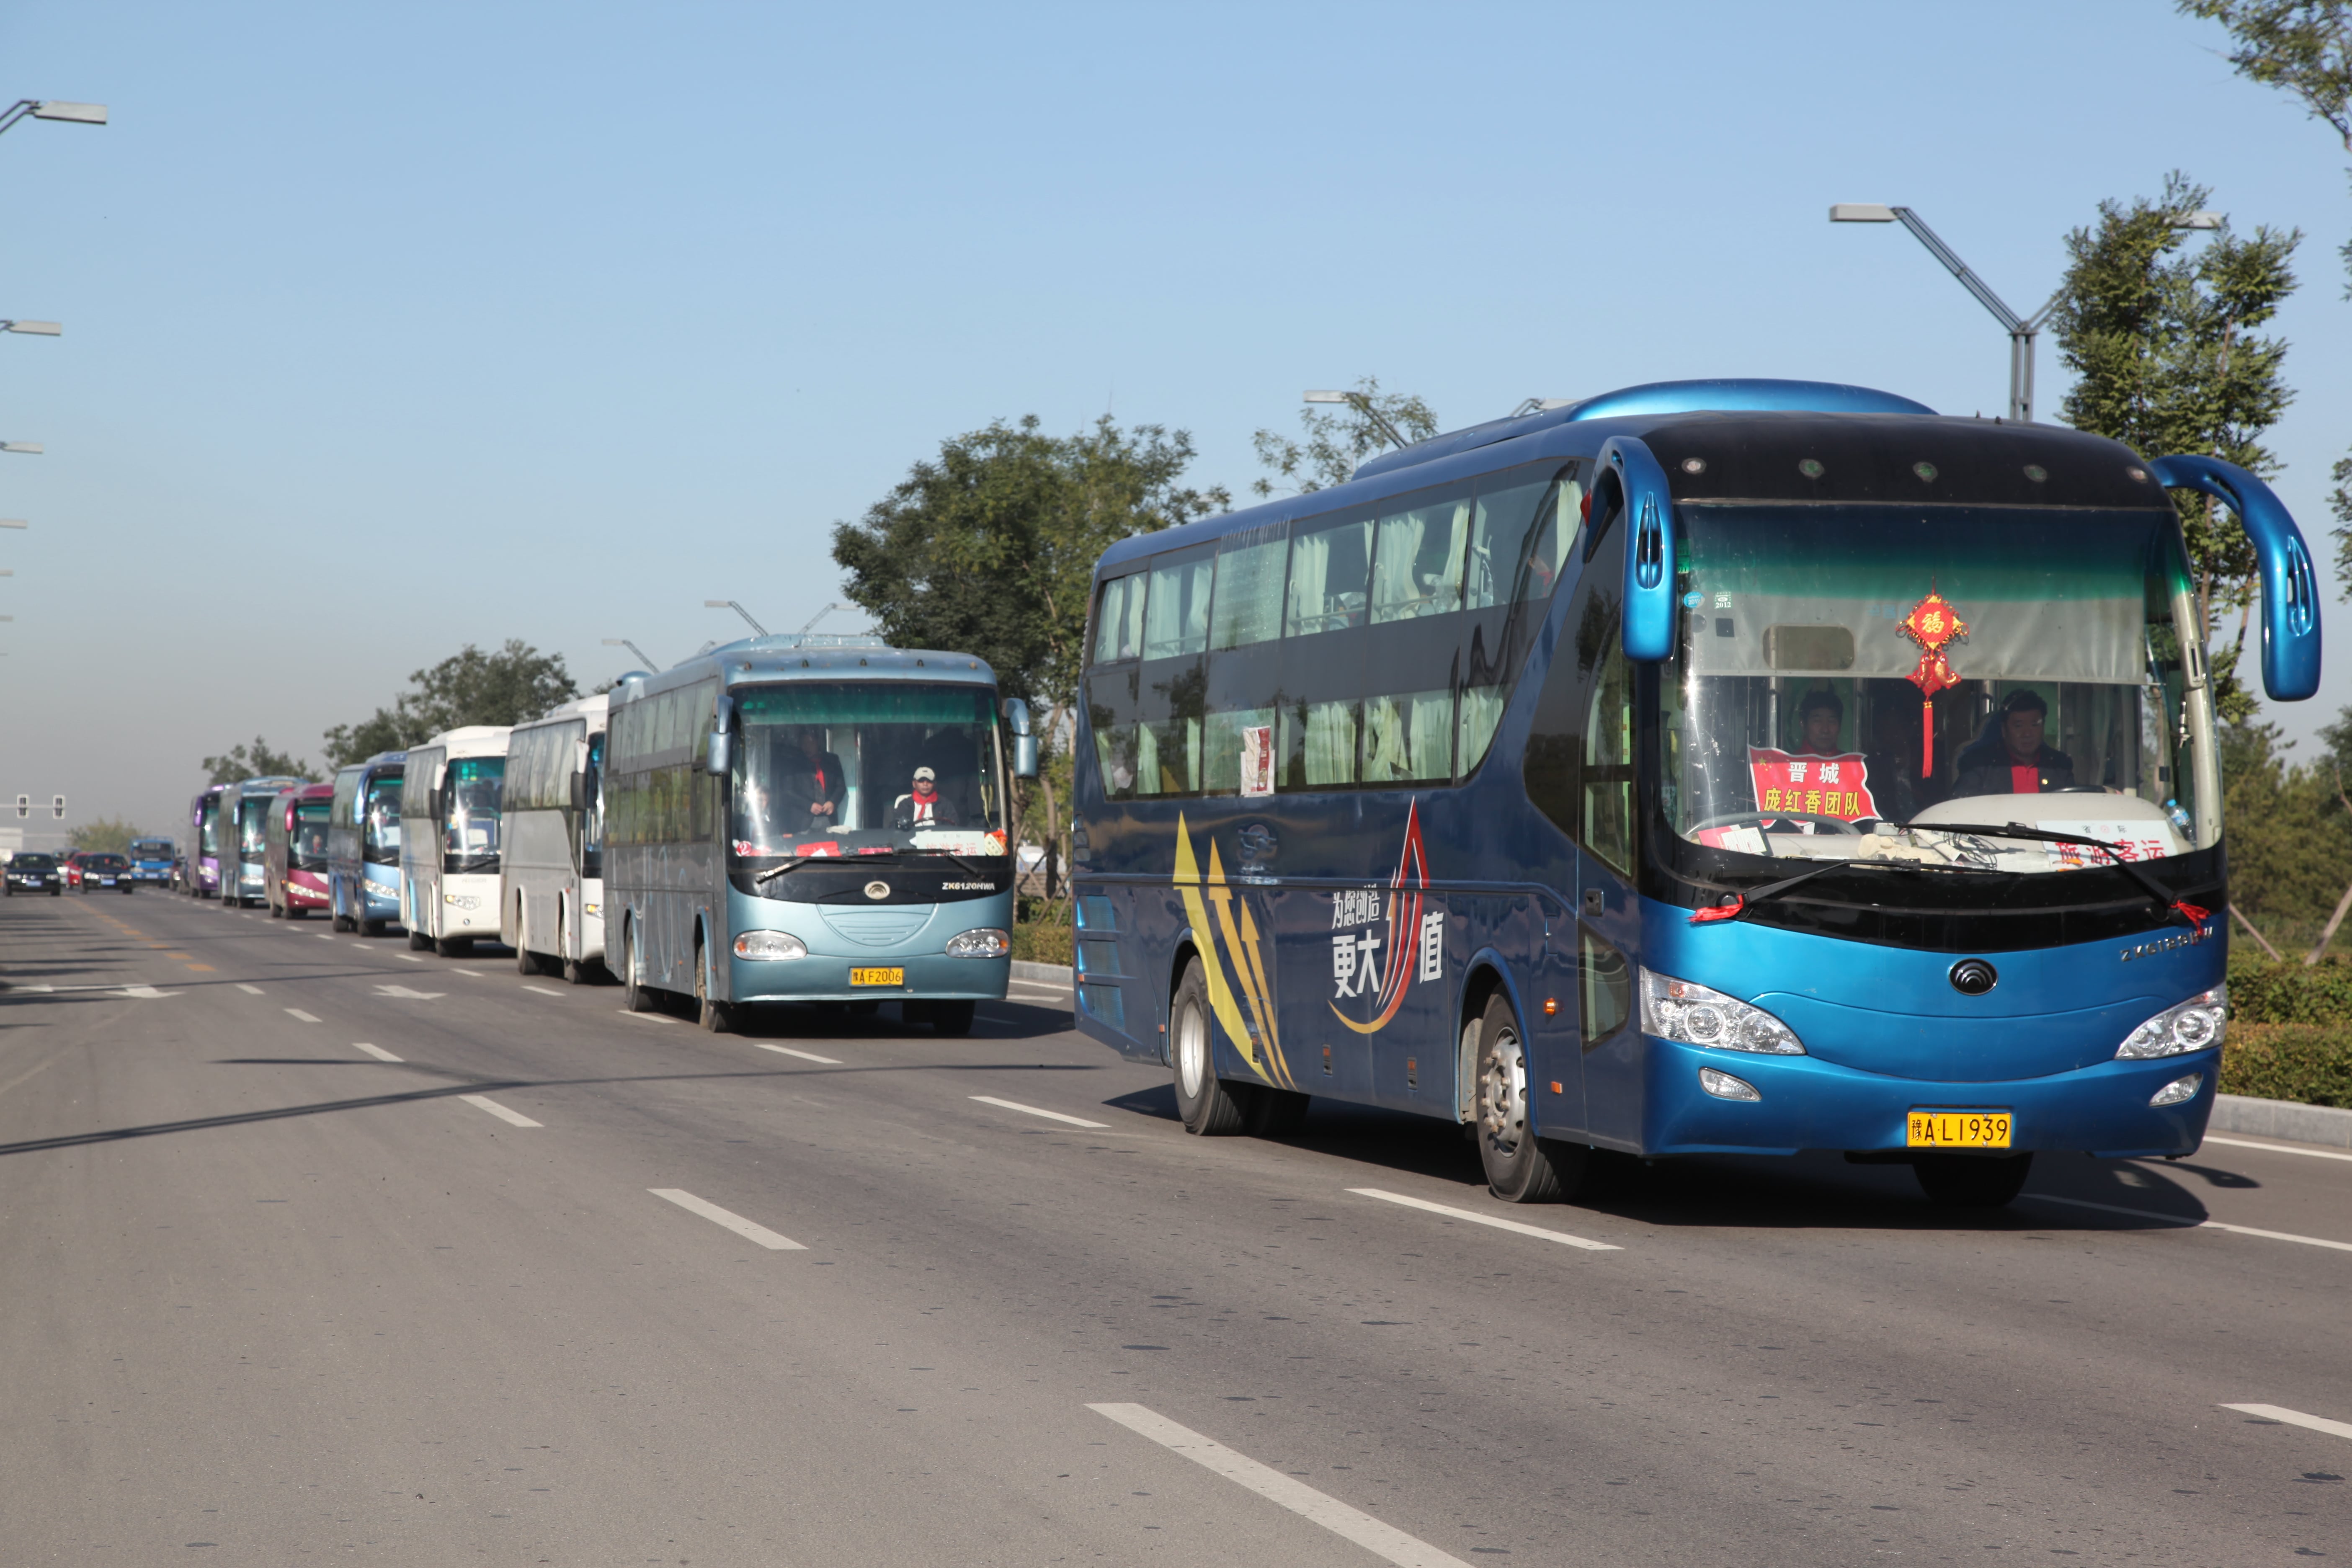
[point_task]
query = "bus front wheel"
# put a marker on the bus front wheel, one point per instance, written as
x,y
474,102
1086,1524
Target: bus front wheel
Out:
x,y
1521,1167
635,997
1211,1108
1971,1181
714,1016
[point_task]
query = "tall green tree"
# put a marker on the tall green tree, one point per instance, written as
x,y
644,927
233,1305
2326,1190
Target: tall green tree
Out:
x,y
260,760
469,687
2162,342
1335,442
2304,47
107,833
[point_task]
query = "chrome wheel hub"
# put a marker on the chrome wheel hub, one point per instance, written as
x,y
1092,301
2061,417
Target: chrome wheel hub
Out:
x,y
1503,1093
1192,1052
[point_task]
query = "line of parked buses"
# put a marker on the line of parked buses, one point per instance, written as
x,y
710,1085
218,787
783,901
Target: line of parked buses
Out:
x,y
779,819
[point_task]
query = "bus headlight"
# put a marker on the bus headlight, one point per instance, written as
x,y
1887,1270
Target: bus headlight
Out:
x,y
770,944
2180,1091
1679,1010
987,941
2190,1026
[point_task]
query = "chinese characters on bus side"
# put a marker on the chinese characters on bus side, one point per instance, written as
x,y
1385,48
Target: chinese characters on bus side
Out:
x,y
1355,962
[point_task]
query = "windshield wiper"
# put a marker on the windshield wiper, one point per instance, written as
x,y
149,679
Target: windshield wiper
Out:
x,y
771,873
1740,901
2193,913
951,855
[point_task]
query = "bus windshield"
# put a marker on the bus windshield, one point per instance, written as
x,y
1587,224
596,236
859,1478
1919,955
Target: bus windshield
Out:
x,y
592,822
151,849
306,846
252,827
870,768
208,828
1851,678
380,840
469,820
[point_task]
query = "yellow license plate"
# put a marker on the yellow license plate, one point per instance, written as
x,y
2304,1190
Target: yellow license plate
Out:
x,y
878,977
1960,1130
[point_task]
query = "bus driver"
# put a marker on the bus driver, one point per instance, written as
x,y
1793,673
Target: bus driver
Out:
x,y
922,806
2009,758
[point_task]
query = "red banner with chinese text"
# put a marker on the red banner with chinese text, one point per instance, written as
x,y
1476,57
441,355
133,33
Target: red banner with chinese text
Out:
x,y
1835,786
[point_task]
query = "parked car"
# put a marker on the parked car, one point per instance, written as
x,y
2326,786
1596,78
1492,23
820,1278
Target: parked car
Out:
x,y
35,871
102,869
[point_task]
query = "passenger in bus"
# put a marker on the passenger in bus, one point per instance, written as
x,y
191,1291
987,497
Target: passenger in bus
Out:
x,y
1820,718
923,806
2009,757
818,783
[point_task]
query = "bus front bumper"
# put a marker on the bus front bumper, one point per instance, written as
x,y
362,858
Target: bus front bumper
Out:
x,y
820,977
1806,1103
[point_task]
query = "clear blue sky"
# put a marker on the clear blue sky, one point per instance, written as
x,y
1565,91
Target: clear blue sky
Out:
x,y
393,328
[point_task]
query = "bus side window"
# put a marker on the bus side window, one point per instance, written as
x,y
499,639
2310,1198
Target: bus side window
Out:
x,y
1606,983
1608,815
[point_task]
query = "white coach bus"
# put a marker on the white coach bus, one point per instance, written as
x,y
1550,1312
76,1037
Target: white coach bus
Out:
x,y
552,878
449,841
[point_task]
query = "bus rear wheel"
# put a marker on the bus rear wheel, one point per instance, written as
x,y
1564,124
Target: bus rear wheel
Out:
x,y
1971,1181
1521,1168
1211,1108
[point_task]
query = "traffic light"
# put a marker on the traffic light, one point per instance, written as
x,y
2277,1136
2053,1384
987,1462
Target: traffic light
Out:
x,y
58,806
23,806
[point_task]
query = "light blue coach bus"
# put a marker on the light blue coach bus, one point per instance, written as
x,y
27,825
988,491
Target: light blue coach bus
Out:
x,y
816,819
243,838
1703,767
363,845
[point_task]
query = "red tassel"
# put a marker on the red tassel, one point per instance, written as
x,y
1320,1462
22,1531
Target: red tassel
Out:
x,y
1719,911
1926,741
2191,912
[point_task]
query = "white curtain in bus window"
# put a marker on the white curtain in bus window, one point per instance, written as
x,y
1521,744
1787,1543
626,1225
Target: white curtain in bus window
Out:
x,y
1223,733
1176,613
1318,744
1248,603
1409,739
1519,541
1118,623
1330,577
1417,560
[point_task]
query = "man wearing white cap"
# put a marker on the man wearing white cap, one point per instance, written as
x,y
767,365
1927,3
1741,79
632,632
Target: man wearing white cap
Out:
x,y
925,807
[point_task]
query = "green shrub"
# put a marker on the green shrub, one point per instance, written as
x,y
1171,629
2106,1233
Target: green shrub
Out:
x,y
2261,991
2307,1063
1036,943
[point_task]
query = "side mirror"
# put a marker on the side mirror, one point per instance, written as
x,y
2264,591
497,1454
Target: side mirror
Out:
x,y
2290,584
715,757
1648,627
1024,742
579,792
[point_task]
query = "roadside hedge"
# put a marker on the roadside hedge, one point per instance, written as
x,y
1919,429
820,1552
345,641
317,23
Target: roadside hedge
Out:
x,y
2261,991
2309,1063
1036,941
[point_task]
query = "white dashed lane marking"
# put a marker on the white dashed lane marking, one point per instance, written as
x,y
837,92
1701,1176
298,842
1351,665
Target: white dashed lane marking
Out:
x,y
542,989
732,1221
2279,1413
1384,1542
2184,1224
378,1052
248,990
1034,1111
512,1118
1496,1221
804,1056
298,1013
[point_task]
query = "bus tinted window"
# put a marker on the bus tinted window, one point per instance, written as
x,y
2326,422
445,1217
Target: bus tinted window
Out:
x,y
1417,558
1176,618
1248,607
1330,577
1118,621
1519,538
1409,738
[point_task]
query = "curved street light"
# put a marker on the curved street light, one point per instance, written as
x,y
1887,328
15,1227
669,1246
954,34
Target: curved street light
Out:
x,y
643,657
53,109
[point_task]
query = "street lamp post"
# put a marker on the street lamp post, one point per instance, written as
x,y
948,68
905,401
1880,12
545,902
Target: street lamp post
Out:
x,y
2022,329
643,657
732,604
53,109
29,448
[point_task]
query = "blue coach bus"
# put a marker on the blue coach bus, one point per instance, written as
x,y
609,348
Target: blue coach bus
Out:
x,y
1712,767
152,860
363,845
812,820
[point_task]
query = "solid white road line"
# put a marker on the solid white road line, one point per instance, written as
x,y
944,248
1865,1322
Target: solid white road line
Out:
x,y
2278,1148
734,1222
248,990
378,1052
1034,1110
410,956
2194,1224
298,1013
644,1017
1381,1541
1496,1221
484,1102
542,989
2295,1418
326,939
804,1056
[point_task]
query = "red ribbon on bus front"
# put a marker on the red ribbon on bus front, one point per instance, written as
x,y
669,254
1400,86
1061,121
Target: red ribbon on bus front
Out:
x,y
1932,624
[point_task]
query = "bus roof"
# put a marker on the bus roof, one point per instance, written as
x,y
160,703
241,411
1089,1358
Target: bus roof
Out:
x,y
473,740
268,785
592,708
762,660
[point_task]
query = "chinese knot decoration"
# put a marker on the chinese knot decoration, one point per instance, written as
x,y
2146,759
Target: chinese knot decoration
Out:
x,y
1932,624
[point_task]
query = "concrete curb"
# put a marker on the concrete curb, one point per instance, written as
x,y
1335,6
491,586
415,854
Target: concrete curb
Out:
x,y
1048,974
2278,1119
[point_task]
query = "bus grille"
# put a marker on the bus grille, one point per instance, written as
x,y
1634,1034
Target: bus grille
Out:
x,y
879,928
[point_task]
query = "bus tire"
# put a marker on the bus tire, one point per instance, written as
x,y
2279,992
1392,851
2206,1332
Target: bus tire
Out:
x,y
1971,1181
525,964
1210,1107
1521,1167
370,928
575,971
712,1015
635,996
419,942
274,912
952,1020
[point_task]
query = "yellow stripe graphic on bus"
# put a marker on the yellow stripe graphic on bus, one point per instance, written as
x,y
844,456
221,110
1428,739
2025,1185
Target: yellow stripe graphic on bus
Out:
x,y
1222,1001
1248,970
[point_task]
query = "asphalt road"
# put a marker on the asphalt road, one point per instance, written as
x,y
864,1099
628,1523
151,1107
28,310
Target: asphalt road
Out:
x,y
287,1276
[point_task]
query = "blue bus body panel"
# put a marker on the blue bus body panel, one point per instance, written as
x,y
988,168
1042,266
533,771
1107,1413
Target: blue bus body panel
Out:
x,y
910,937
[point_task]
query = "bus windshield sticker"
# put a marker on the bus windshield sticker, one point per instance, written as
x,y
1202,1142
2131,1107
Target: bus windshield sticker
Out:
x,y
1812,784
1257,759
2142,840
